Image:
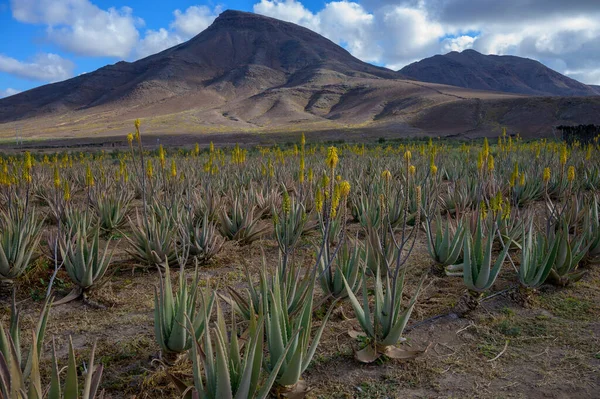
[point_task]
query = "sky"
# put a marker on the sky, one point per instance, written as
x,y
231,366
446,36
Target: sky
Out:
x,y
47,41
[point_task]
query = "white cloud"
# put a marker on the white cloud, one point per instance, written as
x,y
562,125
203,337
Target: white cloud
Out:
x,y
459,43
563,35
288,10
193,20
343,22
409,35
185,25
351,24
155,41
43,67
391,35
81,27
8,92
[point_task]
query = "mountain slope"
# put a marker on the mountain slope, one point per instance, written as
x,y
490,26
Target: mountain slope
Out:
x,y
240,54
250,73
493,72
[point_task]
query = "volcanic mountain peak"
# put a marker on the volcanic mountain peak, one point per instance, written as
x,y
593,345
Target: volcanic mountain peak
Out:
x,y
248,72
240,54
512,74
236,39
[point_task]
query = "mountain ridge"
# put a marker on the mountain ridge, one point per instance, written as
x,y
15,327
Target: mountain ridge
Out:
x,y
505,73
251,73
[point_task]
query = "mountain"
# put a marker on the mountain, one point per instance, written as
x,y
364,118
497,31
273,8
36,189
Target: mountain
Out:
x,y
248,73
240,54
504,73
596,88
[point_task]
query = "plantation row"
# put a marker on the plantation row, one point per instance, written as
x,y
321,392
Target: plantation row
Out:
x,y
528,206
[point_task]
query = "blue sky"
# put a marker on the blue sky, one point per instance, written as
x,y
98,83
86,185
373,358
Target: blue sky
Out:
x,y
52,40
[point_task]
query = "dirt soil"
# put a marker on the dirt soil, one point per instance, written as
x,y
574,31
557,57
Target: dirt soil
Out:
x,y
545,345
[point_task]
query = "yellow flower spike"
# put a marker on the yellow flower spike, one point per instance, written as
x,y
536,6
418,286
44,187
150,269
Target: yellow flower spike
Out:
x,y
407,155
325,181
56,177
319,201
311,175
563,155
345,188
522,180
546,175
89,176
482,210
302,140
130,138
571,173
386,175
211,147
137,124
506,211
412,170
28,163
149,169
196,150
173,169
434,170
588,152
161,157
332,157
67,191
490,164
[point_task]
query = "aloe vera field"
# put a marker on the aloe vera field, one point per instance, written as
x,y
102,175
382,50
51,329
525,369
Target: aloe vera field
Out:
x,y
420,269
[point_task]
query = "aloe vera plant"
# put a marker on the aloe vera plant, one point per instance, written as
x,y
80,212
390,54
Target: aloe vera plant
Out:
x,y
383,326
171,312
19,235
445,247
289,224
381,251
280,327
10,341
477,270
537,259
13,384
76,219
220,370
295,286
347,261
367,210
112,209
591,227
241,223
571,251
203,239
152,242
84,263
